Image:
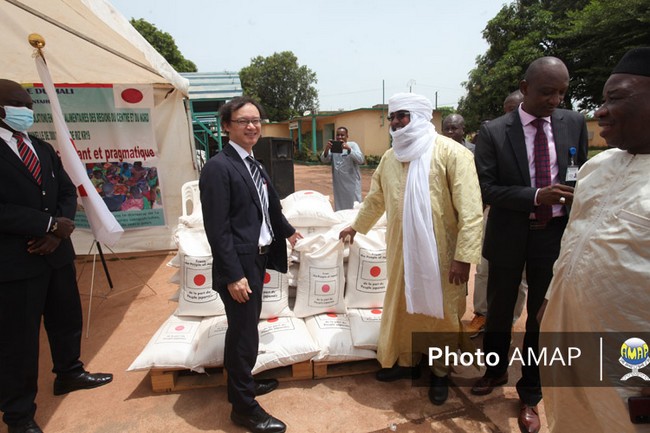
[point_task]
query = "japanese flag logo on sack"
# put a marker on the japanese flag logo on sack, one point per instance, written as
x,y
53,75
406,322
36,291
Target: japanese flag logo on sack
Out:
x,y
324,282
198,279
271,290
196,297
367,275
275,295
198,272
373,270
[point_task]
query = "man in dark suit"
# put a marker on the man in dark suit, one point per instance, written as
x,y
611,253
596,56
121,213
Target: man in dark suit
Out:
x,y
246,230
525,160
37,274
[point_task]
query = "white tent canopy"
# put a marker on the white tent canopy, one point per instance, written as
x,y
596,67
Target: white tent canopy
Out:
x,y
86,42
89,41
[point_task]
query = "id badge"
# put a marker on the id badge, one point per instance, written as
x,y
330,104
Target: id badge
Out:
x,y
572,173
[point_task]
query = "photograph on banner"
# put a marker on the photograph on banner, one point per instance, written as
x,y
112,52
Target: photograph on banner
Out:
x,y
131,191
112,130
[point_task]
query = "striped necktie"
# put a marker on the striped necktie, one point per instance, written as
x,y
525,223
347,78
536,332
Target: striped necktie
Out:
x,y
543,212
29,157
259,184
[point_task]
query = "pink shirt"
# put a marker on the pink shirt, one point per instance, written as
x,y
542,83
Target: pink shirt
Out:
x,y
529,134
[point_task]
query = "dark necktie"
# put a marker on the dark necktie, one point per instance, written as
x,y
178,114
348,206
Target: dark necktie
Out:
x,y
543,212
29,157
259,184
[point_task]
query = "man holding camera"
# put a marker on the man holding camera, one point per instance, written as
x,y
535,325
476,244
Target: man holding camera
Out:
x,y
346,156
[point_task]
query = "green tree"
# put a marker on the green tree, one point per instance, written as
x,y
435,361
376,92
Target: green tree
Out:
x,y
596,39
283,87
518,34
446,111
164,43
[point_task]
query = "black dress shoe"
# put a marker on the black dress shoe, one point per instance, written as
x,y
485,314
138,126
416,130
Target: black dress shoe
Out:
x,y
439,389
264,386
259,422
85,380
486,385
29,427
397,372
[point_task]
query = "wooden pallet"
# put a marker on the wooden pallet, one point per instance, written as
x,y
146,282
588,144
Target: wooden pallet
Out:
x,y
299,371
176,379
324,370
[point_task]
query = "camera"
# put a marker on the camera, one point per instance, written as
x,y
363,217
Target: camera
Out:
x,y
337,146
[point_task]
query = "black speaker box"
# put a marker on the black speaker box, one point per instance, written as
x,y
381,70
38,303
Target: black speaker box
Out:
x,y
276,154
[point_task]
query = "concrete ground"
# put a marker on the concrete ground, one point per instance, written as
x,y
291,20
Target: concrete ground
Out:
x,y
123,319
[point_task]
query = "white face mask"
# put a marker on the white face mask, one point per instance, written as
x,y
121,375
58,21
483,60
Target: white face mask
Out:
x,y
18,118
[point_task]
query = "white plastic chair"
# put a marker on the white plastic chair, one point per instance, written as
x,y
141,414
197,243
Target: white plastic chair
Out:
x,y
191,198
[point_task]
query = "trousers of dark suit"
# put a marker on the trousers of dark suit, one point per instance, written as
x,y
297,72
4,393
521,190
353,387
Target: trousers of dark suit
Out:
x,y
543,248
54,296
242,336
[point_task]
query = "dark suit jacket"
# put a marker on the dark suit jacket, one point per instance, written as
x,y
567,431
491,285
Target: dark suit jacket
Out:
x,y
502,166
232,216
26,208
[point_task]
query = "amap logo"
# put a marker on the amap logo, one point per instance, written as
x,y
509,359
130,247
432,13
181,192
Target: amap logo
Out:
x,y
634,355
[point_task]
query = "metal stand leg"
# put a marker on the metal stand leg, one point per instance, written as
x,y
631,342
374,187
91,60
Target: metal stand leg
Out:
x,y
101,256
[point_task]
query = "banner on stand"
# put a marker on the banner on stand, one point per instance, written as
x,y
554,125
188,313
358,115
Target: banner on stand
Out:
x,y
112,130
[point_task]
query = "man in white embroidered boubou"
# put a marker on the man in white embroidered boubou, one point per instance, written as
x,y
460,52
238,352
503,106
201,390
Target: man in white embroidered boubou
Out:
x,y
603,267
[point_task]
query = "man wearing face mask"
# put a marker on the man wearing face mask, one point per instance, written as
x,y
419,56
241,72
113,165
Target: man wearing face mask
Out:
x,y
37,278
428,186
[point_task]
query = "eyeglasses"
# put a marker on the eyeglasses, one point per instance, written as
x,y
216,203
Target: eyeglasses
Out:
x,y
399,115
244,122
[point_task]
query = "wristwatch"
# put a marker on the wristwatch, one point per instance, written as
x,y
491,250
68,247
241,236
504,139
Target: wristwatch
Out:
x,y
54,226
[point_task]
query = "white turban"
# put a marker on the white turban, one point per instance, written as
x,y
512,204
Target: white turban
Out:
x,y
414,143
412,103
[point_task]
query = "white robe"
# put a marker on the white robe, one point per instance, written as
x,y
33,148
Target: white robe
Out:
x,y
346,177
601,284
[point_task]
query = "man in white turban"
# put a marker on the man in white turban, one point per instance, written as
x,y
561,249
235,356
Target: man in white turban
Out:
x,y
428,187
